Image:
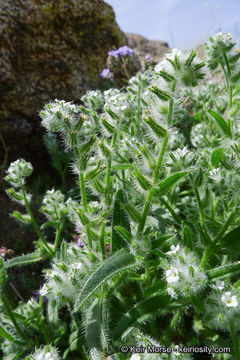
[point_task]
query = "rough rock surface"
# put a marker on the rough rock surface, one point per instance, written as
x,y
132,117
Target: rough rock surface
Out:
x,y
143,47
49,49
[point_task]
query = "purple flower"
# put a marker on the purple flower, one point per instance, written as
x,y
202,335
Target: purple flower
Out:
x,y
148,57
37,295
113,53
125,50
122,51
105,73
80,243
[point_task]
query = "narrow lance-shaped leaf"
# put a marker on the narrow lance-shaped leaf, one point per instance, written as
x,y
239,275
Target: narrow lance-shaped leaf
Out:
x,y
119,262
141,312
221,123
120,218
6,335
94,331
166,184
226,271
24,260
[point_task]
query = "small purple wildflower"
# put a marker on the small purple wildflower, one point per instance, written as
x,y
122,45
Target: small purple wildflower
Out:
x,y
148,58
37,295
122,51
105,73
80,243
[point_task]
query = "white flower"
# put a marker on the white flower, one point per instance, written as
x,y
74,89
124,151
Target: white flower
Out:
x,y
43,291
171,292
176,351
219,285
77,265
135,357
174,249
172,275
229,299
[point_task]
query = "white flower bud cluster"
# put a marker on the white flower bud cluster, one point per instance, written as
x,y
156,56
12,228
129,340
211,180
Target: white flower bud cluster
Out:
x,y
17,171
216,46
180,159
45,353
222,306
183,65
30,309
93,100
182,274
53,205
58,115
64,275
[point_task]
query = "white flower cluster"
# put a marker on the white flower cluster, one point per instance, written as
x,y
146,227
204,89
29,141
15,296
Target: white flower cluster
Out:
x,y
222,306
181,158
93,99
53,205
17,171
58,115
44,353
182,65
215,47
183,274
61,281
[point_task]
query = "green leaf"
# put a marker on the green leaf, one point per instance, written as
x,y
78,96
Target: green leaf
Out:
x,y
119,262
122,166
221,123
24,260
133,213
142,180
216,157
166,184
120,218
228,270
141,312
156,128
125,234
94,329
234,58
163,95
24,218
230,243
6,335
84,148
235,77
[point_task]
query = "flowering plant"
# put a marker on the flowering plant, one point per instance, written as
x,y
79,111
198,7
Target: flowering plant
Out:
x,y
155,261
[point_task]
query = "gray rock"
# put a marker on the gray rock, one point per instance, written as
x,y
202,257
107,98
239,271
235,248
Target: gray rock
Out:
x,y
143,47
49,49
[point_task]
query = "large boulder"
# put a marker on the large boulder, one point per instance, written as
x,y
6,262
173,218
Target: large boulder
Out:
x,y
48,49
144,47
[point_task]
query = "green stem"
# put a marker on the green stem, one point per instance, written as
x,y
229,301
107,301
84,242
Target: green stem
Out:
x,y
200,206
225,226
12,317
234,340
107,183
57,237
171,210
175,319
139,105
43,241
102,240
83,190
160,159
151,192
170,111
